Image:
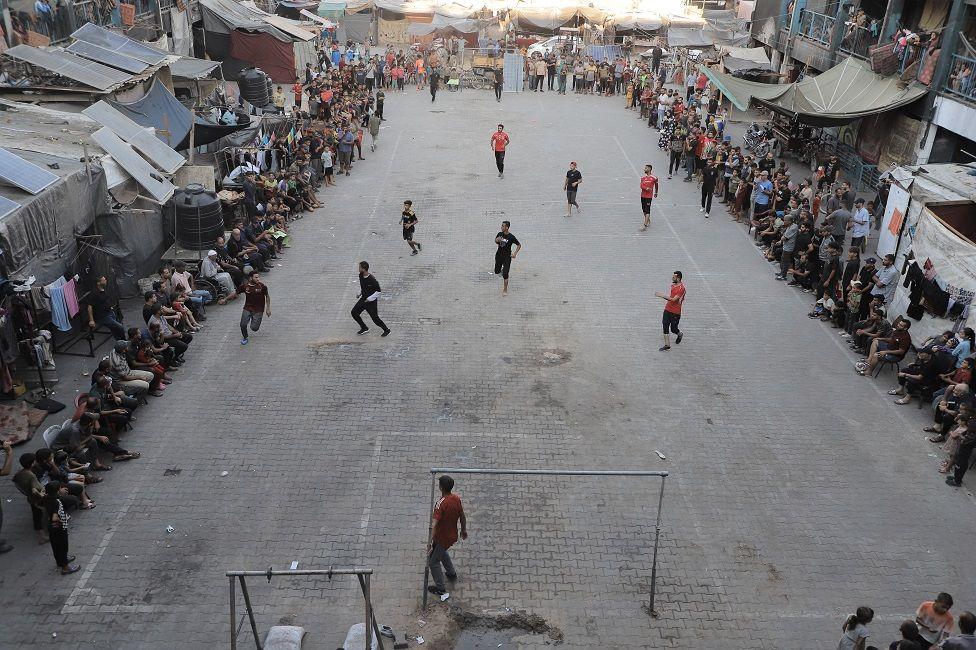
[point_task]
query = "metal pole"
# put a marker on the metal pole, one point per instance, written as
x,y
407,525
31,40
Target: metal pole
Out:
x,y
84,148
657,536
302,572
250,612
233,615
430,531
193,120
369,613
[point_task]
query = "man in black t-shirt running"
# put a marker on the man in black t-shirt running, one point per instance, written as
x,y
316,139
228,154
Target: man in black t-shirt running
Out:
x,y
571,185
504,255
409,220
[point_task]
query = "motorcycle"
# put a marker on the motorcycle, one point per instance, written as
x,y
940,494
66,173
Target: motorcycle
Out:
x,y
756,134
762,147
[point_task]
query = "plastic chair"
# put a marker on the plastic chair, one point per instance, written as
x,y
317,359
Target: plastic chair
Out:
x,y
888,360
51,433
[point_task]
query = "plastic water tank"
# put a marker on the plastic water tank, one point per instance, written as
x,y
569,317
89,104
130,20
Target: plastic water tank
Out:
x,y
253,84
199,217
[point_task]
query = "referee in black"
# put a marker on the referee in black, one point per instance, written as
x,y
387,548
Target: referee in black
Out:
x,y
369,295
504,255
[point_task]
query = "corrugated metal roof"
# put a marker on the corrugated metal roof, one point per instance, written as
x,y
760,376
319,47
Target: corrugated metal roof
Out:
x,y
65,64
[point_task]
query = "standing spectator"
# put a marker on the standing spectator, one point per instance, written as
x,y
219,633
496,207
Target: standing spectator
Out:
x,y
56,522
960,460
885,279
934,620
860,225
855,632
788,246
448,513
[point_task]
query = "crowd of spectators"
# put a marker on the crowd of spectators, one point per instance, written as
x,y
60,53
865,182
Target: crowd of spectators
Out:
x,y
144,360
932,628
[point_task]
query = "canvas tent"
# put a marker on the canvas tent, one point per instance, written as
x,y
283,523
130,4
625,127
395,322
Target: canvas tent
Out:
x,y
637,23
846,92
549,20
241,36
736,59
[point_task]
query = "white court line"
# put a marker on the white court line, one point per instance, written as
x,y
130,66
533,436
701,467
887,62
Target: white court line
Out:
x,y
368,498
691,260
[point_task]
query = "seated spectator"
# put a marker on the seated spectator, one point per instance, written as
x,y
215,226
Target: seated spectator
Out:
x,y
228,263
934,620
922,375
71,493
211,269
946,408
965,640
893,347
180,300
910,638
199,297
114,408
179,342
76,471
244,252
79,440
135,382
102,310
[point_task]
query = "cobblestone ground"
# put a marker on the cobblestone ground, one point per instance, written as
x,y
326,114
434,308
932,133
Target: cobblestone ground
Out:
x,y
798,491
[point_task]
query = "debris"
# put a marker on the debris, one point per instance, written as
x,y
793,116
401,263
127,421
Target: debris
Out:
x,y
126,556
170,529
421,623
294,565
660,455
445,597
224,473
84,374
54,635
420,640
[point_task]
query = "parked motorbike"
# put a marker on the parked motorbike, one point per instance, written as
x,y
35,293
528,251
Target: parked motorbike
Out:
x,y
755,134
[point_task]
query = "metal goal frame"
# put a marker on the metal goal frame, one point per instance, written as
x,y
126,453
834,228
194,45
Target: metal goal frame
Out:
x,y
663,475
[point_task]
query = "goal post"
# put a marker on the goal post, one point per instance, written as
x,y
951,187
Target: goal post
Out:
x,y
663,475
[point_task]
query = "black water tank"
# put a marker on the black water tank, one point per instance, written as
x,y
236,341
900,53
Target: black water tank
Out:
x,y
199,217
253,84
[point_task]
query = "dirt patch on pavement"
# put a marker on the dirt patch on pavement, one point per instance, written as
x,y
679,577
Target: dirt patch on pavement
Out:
x,y
444,628
320,345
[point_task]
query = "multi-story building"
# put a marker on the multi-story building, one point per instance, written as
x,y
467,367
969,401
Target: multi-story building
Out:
x,y
934,44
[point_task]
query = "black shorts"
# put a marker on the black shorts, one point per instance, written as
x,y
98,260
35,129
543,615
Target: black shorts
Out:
x,y
327,171
503,263
670,321
571,196
408,234
646,205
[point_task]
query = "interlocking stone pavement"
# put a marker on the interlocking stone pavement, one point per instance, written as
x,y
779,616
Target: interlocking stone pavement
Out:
x,y
798,491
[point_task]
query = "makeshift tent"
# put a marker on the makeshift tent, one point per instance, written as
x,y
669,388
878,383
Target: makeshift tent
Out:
x,y
736,59
332,10
243,36
637,23
192,69
846,92
160,110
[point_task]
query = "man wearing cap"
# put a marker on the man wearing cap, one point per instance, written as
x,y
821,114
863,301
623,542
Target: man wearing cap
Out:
x,y
860,225
571,184
210,268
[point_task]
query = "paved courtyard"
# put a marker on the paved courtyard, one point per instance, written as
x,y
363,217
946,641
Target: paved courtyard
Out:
x,y
798,491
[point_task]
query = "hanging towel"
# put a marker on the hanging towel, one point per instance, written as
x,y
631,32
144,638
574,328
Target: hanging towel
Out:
x,y
59,310
71,298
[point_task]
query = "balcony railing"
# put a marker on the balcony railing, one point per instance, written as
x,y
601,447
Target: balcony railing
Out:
x,y
857,40
961,79
816,27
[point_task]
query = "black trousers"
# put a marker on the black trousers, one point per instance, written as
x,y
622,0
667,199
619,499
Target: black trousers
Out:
x,y
500,161
706,202
498,91
675,163
551,76
961,461
372,309
59,544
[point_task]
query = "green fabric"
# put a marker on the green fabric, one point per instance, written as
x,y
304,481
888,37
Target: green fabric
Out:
x,y
848,91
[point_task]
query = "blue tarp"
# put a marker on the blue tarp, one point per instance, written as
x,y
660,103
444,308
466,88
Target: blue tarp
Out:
x,y
160,110
603,52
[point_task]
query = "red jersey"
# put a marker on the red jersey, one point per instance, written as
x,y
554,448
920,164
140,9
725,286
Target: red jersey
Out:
x,y
499,140
447,512
648,186
677,291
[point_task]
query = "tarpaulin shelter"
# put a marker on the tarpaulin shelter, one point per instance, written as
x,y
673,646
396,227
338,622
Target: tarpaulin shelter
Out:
x,y
637,23
549,20
715,28
846,92
331,10
241,36
160,110
736,59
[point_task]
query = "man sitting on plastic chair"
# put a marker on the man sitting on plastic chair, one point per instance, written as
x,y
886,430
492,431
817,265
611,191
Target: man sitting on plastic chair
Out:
x,y
891,349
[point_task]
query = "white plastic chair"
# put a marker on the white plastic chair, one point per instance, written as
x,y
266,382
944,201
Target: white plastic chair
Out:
x,y
51,433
